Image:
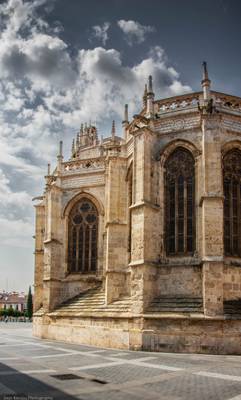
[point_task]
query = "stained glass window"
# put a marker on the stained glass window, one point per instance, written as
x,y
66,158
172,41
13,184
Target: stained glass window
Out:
x,y
82,237
179,203
232,202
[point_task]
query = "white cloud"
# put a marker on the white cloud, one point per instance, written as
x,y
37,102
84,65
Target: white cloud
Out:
x,y
46,91
134,31
100,32
16,232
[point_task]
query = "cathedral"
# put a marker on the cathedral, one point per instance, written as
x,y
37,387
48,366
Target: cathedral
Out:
x,y
138,235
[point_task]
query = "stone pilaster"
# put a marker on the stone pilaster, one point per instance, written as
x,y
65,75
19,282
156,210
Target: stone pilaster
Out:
x,y
53,249
145,214
212,216
116,227
39,255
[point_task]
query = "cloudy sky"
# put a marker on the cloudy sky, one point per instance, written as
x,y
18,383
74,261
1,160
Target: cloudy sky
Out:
x,y
65,62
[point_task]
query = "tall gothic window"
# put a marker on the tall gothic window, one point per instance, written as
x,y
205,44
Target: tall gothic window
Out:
x,y
129,197
232,202
82,237
180,203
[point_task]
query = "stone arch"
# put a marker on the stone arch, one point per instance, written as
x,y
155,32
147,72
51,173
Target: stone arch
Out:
x,y
173,145
78,197
232,145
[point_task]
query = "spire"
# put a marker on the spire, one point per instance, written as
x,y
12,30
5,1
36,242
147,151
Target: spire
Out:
x,y
125,121
150,89
48,169
77,140
60,156
81,129
206,83
144,98
125,114
113,129
73,148
60,149
150,98
205,71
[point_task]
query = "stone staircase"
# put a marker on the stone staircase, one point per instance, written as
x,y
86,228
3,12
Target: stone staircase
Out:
x,y
232,308
177,304
92,302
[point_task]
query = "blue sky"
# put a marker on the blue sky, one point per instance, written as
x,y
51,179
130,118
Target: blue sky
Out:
x,y
66,62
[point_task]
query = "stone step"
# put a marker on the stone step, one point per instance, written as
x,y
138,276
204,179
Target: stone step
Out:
x,y
92,311
166,305
94,308
93,301
177,300
174,309
232,307
176,304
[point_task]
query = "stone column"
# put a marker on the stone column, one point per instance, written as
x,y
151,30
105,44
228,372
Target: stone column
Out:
x,y
212,216
116,226
145,214
53,249
39,255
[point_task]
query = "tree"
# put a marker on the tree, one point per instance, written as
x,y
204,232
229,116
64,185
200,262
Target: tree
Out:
x,y
30,304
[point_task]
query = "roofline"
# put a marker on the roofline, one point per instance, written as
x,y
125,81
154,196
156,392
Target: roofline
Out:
x,y
193,94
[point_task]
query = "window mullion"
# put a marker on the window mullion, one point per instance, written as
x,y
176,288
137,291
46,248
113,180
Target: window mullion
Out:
x,y
238,217
77,251
185,216
90,247
176,215
231,216
83,248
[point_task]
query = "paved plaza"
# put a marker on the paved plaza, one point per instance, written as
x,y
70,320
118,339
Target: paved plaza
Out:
x,y
44,369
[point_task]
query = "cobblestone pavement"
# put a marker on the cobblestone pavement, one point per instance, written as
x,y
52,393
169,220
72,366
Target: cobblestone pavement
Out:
x,y
47,369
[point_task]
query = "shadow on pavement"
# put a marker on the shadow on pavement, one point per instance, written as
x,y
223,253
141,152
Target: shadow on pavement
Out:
x,y
26,387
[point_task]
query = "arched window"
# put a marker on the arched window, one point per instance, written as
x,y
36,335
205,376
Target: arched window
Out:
x,y
129,203
232,202
82,237
180,203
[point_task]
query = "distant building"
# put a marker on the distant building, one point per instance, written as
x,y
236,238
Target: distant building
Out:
x,y
16,301
138,239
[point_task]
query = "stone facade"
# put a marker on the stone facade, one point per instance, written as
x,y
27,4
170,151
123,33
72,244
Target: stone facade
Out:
x,y
155,263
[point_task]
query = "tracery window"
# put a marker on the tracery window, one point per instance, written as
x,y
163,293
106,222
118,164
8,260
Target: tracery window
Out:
x,y
180,203
232,202
82,237
129,201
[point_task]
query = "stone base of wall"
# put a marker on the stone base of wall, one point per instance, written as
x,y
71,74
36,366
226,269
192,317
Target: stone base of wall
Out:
x,y
160,333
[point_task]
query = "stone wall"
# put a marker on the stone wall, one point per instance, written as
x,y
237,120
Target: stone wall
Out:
x,y
231,282
179,280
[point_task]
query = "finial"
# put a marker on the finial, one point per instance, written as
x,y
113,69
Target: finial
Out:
x,y
205,71
113,129
48,169
61,148
81,128
126,113
144,98
150,89
85,129
77,140
206,82
73,147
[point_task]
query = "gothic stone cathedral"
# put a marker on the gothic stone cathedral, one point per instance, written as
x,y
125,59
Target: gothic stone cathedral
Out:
x,y
138,238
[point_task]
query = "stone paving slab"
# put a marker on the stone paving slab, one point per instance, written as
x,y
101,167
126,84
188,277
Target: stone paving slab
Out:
x,y
191,387
30,365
